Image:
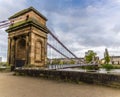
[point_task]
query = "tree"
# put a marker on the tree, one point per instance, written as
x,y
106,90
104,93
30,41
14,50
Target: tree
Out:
x,y
61,62
106,56
72,62
55,61
90,56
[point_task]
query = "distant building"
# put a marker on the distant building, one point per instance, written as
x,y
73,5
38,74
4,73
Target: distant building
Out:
x,y
102,61
0,59
67,61
115,59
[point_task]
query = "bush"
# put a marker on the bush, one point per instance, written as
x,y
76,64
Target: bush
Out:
x,y
4,66
89,67
107,66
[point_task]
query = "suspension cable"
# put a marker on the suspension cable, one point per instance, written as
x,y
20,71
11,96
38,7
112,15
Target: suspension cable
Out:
x,y
61,43
7,23
57,50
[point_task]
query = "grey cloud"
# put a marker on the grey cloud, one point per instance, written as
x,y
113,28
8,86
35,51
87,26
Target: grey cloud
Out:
x,y
94,28
7,8
3,44
80,28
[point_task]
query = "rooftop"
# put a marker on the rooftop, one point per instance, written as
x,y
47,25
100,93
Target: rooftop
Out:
x,y
27,10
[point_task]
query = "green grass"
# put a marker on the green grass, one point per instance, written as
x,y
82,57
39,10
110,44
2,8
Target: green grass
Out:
x,y
116,66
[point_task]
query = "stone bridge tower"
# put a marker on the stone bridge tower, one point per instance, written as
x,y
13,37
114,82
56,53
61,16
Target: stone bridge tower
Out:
x,y
27,38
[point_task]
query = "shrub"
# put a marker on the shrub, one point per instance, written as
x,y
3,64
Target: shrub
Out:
x,y
107,66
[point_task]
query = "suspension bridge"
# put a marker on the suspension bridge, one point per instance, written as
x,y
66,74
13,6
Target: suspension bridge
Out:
x,y
56,50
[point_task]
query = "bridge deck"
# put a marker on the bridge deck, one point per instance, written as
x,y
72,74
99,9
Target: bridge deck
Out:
x,y
69,66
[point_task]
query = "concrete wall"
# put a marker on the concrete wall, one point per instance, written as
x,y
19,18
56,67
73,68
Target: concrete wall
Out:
x,y
92,78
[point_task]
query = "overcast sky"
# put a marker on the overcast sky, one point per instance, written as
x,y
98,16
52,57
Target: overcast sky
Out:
x,y
79,24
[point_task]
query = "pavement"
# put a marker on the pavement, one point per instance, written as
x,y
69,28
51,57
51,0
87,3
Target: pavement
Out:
x,y
23,86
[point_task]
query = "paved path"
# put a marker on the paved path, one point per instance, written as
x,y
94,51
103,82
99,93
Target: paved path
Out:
x,y
18,86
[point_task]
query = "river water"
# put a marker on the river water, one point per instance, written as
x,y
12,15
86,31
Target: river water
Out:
x,y
101,70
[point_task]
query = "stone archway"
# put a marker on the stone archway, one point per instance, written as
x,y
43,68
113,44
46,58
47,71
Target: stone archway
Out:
x,y
38,51
20,52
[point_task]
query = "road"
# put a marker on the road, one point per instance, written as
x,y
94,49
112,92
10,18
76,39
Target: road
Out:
x,y
20,86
